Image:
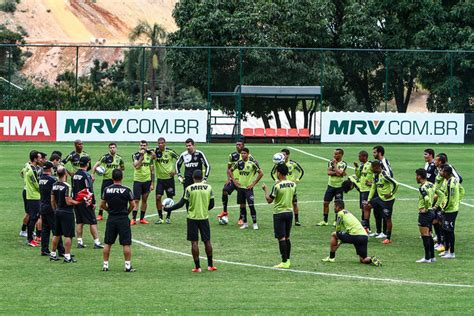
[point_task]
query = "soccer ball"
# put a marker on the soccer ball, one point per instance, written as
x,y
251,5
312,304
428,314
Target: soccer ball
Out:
x,y
100,170
168,202
278,157
224,220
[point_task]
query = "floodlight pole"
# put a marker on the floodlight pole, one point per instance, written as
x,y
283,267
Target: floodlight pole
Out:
x,y
143,78
76,98
239,96
450,60
10,56
209,100
386,82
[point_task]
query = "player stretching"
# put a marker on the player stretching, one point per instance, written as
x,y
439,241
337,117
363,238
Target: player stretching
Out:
x,y
426,214
109,162
165,160
336,172
229,186
295,174
283,195
349,231
385,187
143,180
245,181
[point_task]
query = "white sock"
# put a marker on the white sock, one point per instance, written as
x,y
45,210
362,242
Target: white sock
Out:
x,y
53,254
128,264
79,240
97,241
67,256
106,264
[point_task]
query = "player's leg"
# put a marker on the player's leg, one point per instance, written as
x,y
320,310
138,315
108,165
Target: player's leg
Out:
x,y
38,226
122,226
387,208
33,211
296,213
192,235
333,245
23,232
45,233
205,231
249,197
328,196
243,211
170,193
227,190
145,192
449,237
159,191
67,223
288,218
425,237
137,195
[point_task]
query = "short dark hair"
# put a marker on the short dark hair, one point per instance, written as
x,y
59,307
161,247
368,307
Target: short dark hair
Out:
x,y
364,153
379,149
117,174
61,172
286,151
143,141
282,168
375,163
84,160
240,140
443,158
162,138
57,152
197,175
339,203
429,151
189,140
33,155
447,168
245,149
421,173
43,155
54,157
340,150
113,144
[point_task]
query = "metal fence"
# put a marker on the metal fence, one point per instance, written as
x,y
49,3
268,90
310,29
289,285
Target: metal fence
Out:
x,y
121,77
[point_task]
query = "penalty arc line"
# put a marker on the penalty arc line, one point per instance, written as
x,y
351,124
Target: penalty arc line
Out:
x,y
325,159
325,274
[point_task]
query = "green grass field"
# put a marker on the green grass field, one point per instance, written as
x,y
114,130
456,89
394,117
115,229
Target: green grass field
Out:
x,y
244,283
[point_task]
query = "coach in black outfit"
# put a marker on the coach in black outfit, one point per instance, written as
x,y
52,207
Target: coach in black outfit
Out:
x,y
118,201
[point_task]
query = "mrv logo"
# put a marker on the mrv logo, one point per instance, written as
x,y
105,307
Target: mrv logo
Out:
x,y
393,127
131,126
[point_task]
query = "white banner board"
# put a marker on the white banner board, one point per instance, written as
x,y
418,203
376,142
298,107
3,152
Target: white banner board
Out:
x,y
174,125
387,127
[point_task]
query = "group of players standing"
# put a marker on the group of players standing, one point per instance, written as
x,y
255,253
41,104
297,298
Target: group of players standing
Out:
x,y
51,203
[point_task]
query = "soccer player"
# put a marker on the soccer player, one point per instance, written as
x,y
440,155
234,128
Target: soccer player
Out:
x,y
450,210
143,180
109,162
55,159
165,163
295,174
74,157
81,186
426,214
200,201
118,201
23,171
245,181
336,172
62,203
46,182
441,160
349,231
379,154
430,165
33,196
229,186
283,195
385,187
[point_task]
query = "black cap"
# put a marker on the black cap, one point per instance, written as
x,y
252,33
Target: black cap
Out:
x,y
84,160
48,165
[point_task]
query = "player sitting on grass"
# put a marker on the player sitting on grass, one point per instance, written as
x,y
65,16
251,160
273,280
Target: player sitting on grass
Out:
x,y
349,231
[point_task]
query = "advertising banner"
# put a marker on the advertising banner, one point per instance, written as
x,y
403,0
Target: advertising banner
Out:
x,y
469,128
27,125
174,125
362,127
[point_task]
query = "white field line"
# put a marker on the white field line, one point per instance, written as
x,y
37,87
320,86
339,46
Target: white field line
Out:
x,y
265,204
325,159
326,274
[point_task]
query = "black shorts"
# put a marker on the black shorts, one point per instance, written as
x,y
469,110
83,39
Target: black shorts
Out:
x,y
363,196
23,195
105,183
333,193
282,224
165,185
46,209
118,226
85,215
229,187
196,226
64,224
359,242
140,188
425,219
385,206
245,195
34,207
449,221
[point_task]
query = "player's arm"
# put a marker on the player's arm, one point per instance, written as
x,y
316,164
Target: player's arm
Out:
x,y
341,172
426,199
137,163
152,171
103,205
71,201
131,206
259,176
372,192
54,204
97,164
207,166
179,163
331,168
339,220
269,197
394,185
175,157
273,172
300,171
211,202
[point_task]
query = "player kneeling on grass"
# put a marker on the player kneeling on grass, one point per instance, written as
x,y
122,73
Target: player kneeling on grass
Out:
x,y
349,231
283,194
199,200
118,201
